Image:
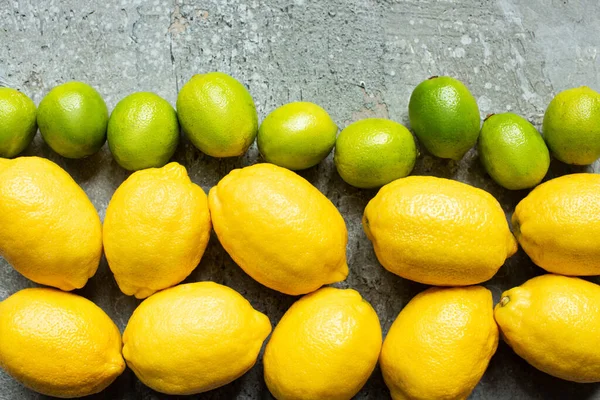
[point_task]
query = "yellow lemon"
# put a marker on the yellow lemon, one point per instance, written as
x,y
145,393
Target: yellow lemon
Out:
x,y
558,225
553,322
325,347
438,231
156,229
50,231
192,338
440,344
279,228
58,344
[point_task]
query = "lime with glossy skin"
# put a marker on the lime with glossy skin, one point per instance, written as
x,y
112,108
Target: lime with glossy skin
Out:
x,y
72,119
445,117
18,123
512,151
571,126
297,135
217,114
143,131
373,152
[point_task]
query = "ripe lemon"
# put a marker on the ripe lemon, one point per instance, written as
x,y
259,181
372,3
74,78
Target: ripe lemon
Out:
x,y
553,322
50,232
445,117
58,344
438,231
143,131
297,135
512,151
325,347
156,229
440,345
372,152
572,126
18,123
279,228
217,114
72,119
558,226
193,338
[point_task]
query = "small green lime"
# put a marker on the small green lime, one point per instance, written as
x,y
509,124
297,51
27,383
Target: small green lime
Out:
x,y
373,152
512,151
444,116
72,119
217,114
297,135
17,122
571,126
143,131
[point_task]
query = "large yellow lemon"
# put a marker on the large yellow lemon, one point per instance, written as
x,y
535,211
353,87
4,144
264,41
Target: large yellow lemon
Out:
x,y
156,229
58,344
279,228
438,231
193,338
325,347
440,345
49,230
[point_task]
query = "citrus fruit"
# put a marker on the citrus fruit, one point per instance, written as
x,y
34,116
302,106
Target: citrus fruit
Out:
x,y
72,119
512,151
58,344
440,344
445,117
553,322
296,135
156,229
325,347
51,232
18,123
571,126
143,131
558,226
217,114
372,152
279,228
193,338
438,231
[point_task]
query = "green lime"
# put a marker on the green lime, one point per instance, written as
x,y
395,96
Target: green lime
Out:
x,y
444,116
217,114
297,135
372,152
72,119
571,126
17,122
143,131
512,151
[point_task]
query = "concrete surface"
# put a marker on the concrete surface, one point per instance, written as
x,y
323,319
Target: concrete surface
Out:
x,y
356,58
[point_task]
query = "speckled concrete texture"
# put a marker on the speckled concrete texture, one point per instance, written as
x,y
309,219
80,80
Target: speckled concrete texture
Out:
x,y
356,58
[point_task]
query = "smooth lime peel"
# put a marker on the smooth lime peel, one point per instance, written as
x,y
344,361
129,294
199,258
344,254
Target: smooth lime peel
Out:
x,y
444,116
217,114
18,122
143,131
373,152
297,135
73,119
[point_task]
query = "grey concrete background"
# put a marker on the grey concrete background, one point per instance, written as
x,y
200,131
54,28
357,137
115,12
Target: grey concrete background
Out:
x,y
356,58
